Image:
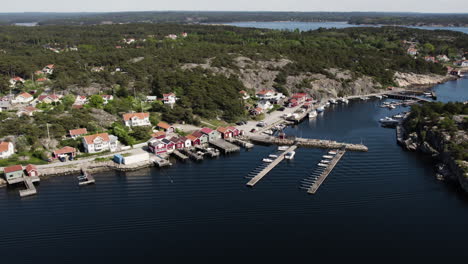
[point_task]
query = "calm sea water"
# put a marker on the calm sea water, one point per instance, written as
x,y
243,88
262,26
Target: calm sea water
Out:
x,y
305,26
384,203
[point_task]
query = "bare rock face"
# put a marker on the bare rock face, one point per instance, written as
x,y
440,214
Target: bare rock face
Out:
x,y
103,118
410,79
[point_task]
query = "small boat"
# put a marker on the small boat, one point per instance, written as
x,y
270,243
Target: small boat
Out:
x,y
322,165
267,160
331,152
391,107
325,161
332,101
364,98
268,132
378,96
283,148
290,155
388,121
345,101
313,114
273,156
85,179
327,157
398,116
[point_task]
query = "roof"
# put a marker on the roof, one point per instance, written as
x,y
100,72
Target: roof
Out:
x,y
106,96
64,150
90,139
166,141
30,168
206,130
30,109
299,95
50,66
159,134
232,128
129,116
79,131
25,95
263,92
164,125
197,134
16,78
169,94
4,146
242,92
42,79
191,137
13,168
222,130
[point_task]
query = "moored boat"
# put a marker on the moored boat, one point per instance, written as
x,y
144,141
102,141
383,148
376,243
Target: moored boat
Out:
x,y
267,160
290,155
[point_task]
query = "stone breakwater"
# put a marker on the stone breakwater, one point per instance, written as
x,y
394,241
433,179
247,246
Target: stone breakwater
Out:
x,y
309,143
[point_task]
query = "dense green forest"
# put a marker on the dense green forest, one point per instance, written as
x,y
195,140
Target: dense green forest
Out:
x,y
454,20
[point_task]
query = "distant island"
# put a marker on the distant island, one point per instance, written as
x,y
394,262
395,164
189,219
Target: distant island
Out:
x,y
194,17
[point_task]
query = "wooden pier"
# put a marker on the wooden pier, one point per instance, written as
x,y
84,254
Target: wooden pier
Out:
x,y
30,188
225,146
192,154
241,143
179,155
313,189
268,168
160,161
401,96
208,151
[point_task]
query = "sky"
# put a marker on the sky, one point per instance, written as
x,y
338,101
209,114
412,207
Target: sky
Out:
x,y
426,6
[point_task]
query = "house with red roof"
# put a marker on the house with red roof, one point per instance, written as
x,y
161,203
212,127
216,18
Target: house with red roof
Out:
x,y
266,94
212,134
235,132
23,98
159,135
76,133
48,69
31,171
15,80
14,174
195,141
107,98
136,119
64,153
157,146
165,127
28,111
81,100
49,98
99,143
178,142
225,132
203,138
169,98
7,149
244,95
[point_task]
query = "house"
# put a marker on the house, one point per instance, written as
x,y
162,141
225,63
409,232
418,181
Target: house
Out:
x,y
97,69
265,105
48,69
195,141
150,98
31,171
136,119
166,127
266,94
412,51
430,59
159,135
235,132
15,80
23,98
184,35
14,174
187,142
99,143
65,152
256,111
107,98
5,103
293,103
212,134
172,36
49,98
462,63
28,111
225,132
179,144
42,80
300,97
76,133
169,98
244,95
7,149
203,138
81,100
443,58
170,146
157,146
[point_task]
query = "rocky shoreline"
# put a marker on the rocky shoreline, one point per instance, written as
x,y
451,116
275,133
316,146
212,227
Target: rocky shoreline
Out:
x,y
434,145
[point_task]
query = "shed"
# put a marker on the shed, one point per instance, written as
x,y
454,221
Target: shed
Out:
x,y
119,159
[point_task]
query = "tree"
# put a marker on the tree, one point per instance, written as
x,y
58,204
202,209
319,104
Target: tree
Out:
x,y
96,101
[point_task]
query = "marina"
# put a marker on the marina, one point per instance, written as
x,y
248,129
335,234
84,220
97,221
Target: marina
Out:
x,y
326,168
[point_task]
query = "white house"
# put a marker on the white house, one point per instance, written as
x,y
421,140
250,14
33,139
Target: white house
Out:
x,y
6,149
48,69
266,94
462,63
136,119
443,58
15,80
169,98
151,98
23,98
107,98
265,105
244,95
81,100
99,143
5,103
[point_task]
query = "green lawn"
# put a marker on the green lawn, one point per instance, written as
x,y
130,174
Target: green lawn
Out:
x,y
15,160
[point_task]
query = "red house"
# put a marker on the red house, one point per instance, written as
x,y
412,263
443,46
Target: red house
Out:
x,y
300,97
178,142
194,139
225,132
31,171
157,146
235,131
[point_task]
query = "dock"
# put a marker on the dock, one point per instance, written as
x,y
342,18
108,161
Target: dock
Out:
x,y
309,143
225,146
241,143
30,188
160,161
402,96
258,176
179,155
213,153
314,187
89,179
193,155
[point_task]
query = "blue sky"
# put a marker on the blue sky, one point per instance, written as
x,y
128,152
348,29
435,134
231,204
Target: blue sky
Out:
x,y
434,6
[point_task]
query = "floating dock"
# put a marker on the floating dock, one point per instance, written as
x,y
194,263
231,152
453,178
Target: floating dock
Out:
x,y
179,155
321,178
241,143
309,143
225,146
259,175
30,188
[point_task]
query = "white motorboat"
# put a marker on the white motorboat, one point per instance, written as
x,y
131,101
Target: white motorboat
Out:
x,y
391,107
388,121
320,109
267,160
332,152
273,156
322,165
325,161
290,155
283,148
345,101
313,114
327,157
378,96
332,101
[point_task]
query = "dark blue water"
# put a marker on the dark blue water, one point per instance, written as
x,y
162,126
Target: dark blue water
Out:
x,y
384,203
305,26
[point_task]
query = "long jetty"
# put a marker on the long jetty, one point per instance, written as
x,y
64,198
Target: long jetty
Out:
x,y
313,189
268,168
309,143
179,155
30,188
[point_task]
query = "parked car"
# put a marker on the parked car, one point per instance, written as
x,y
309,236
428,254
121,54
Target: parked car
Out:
x,y
261,124
281,108
253,130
